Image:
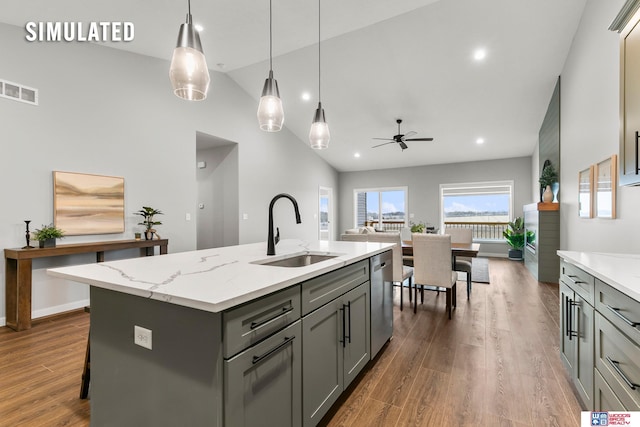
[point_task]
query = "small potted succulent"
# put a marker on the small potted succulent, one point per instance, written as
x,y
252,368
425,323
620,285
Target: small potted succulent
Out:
x,y
148,213
47,235
419,227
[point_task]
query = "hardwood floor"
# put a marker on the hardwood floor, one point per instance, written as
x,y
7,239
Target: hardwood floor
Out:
x,y
495,363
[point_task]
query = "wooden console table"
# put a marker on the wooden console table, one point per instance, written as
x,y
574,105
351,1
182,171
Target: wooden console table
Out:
x,y
18,271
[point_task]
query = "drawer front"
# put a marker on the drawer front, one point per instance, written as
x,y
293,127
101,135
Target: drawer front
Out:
x,y
323,289
604,398
252,322
618,360
579,280
619,309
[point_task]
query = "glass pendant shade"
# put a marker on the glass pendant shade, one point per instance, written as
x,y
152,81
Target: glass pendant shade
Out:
x,y
270,111
189,73
319,134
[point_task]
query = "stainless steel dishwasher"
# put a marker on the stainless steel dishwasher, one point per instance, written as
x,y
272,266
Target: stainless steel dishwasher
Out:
x,y
381,267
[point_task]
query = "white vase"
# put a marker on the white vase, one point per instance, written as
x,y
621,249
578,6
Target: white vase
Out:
x,y
547,196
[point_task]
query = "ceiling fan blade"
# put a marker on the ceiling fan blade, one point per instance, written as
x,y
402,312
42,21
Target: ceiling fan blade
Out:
x,y
403,145
408,134
385,139
419,139
384,143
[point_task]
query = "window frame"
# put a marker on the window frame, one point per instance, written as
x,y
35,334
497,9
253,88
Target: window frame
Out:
x,y
478,187
380,190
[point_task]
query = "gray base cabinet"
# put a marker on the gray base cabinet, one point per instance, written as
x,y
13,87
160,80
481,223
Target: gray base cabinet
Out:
x,y
576,342
336,342
264,382
599,341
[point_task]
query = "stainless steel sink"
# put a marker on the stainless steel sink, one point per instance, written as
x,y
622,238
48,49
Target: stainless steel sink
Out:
x,y
297,260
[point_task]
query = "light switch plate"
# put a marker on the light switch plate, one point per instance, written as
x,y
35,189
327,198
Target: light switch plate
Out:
x,y
142,337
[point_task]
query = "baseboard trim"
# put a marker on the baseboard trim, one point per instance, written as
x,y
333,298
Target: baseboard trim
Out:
x,y
59,309
493,255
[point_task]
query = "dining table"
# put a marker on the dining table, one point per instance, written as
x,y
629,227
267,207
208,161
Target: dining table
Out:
x,y
469,250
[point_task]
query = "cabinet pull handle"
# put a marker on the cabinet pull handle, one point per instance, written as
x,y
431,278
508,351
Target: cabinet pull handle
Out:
x,y
572,333
616,311
344,335
282,312
614,364
573,279
349,307
637,166
567,316
286,341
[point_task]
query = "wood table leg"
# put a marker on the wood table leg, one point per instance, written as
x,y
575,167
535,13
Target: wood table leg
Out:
x,y
18,293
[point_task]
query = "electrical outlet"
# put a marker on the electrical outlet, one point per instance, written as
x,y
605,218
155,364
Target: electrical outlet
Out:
x,y
142,336
187,216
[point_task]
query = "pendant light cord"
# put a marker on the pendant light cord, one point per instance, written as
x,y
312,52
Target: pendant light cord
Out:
x,y
319,95
270,40
189,7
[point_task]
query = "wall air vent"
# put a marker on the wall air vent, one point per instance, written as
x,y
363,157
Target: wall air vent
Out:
x,y
18,92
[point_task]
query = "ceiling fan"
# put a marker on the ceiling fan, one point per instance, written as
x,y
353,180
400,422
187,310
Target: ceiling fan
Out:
x,y
401,139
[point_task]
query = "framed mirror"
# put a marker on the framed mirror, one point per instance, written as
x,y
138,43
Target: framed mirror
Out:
x,y
585,189
605,176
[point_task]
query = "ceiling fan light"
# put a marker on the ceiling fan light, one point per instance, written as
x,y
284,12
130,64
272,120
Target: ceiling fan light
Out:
x,y
270,111
189,73
319,134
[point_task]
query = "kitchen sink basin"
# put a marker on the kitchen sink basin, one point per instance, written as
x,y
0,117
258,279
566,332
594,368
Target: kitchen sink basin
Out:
x,y
297,259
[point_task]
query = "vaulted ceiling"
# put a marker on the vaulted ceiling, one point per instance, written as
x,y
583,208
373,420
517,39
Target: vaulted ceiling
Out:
x,y
380,60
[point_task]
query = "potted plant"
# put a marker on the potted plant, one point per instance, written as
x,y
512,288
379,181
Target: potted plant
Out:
x,y
420,227
147,213
47,235
548,181
514,235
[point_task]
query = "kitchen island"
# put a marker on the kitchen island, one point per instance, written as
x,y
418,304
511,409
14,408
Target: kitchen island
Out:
x,y
216,337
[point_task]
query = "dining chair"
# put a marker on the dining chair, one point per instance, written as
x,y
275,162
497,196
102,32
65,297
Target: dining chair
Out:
x,y
462,264
432,267
401,273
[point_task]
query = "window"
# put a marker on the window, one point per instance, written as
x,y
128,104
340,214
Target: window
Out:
x,y
382,208
485,207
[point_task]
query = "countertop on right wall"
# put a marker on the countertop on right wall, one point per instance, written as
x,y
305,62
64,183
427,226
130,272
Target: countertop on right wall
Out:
x,y
620,271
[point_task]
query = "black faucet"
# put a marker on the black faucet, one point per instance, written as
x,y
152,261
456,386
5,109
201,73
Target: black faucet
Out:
x,y
271,240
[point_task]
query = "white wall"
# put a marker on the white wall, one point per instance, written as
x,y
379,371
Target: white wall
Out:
x,y
106,111
589,133
424,188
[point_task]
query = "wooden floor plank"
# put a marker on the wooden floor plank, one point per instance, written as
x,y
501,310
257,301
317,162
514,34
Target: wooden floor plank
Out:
x,y
495,363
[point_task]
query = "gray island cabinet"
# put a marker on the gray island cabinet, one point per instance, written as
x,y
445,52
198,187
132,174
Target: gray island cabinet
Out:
x,y
232,342
600,328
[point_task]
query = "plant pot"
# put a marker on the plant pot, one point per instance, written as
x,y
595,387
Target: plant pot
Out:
x,y
547,196
148,235
515,254
47,243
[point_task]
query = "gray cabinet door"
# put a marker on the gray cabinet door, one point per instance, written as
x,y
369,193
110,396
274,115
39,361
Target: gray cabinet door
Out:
x,y
567,342
584,342
357,317
263,383
322,372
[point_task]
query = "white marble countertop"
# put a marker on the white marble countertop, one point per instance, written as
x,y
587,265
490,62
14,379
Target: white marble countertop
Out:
x,y
621,271
216,279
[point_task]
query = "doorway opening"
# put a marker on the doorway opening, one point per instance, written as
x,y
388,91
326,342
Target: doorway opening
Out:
x,y
217,177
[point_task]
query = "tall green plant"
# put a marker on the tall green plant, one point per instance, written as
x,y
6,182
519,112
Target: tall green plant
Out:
x,y
514,234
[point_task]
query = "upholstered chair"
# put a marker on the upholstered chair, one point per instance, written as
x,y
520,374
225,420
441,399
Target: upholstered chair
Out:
x,y
462,264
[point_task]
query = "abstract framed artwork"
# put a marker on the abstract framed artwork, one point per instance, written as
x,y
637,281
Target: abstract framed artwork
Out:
x,y
585,191
88,204
605,183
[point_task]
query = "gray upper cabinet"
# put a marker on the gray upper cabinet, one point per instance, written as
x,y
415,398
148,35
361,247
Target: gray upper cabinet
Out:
x,y
629,104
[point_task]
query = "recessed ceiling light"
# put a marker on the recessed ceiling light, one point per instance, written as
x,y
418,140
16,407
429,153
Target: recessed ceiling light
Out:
x,y
306,96
479,54
480,141
199,27
356,155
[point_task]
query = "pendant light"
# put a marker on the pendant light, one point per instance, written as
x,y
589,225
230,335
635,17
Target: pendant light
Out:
x,y
189,73
270,112
319,134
